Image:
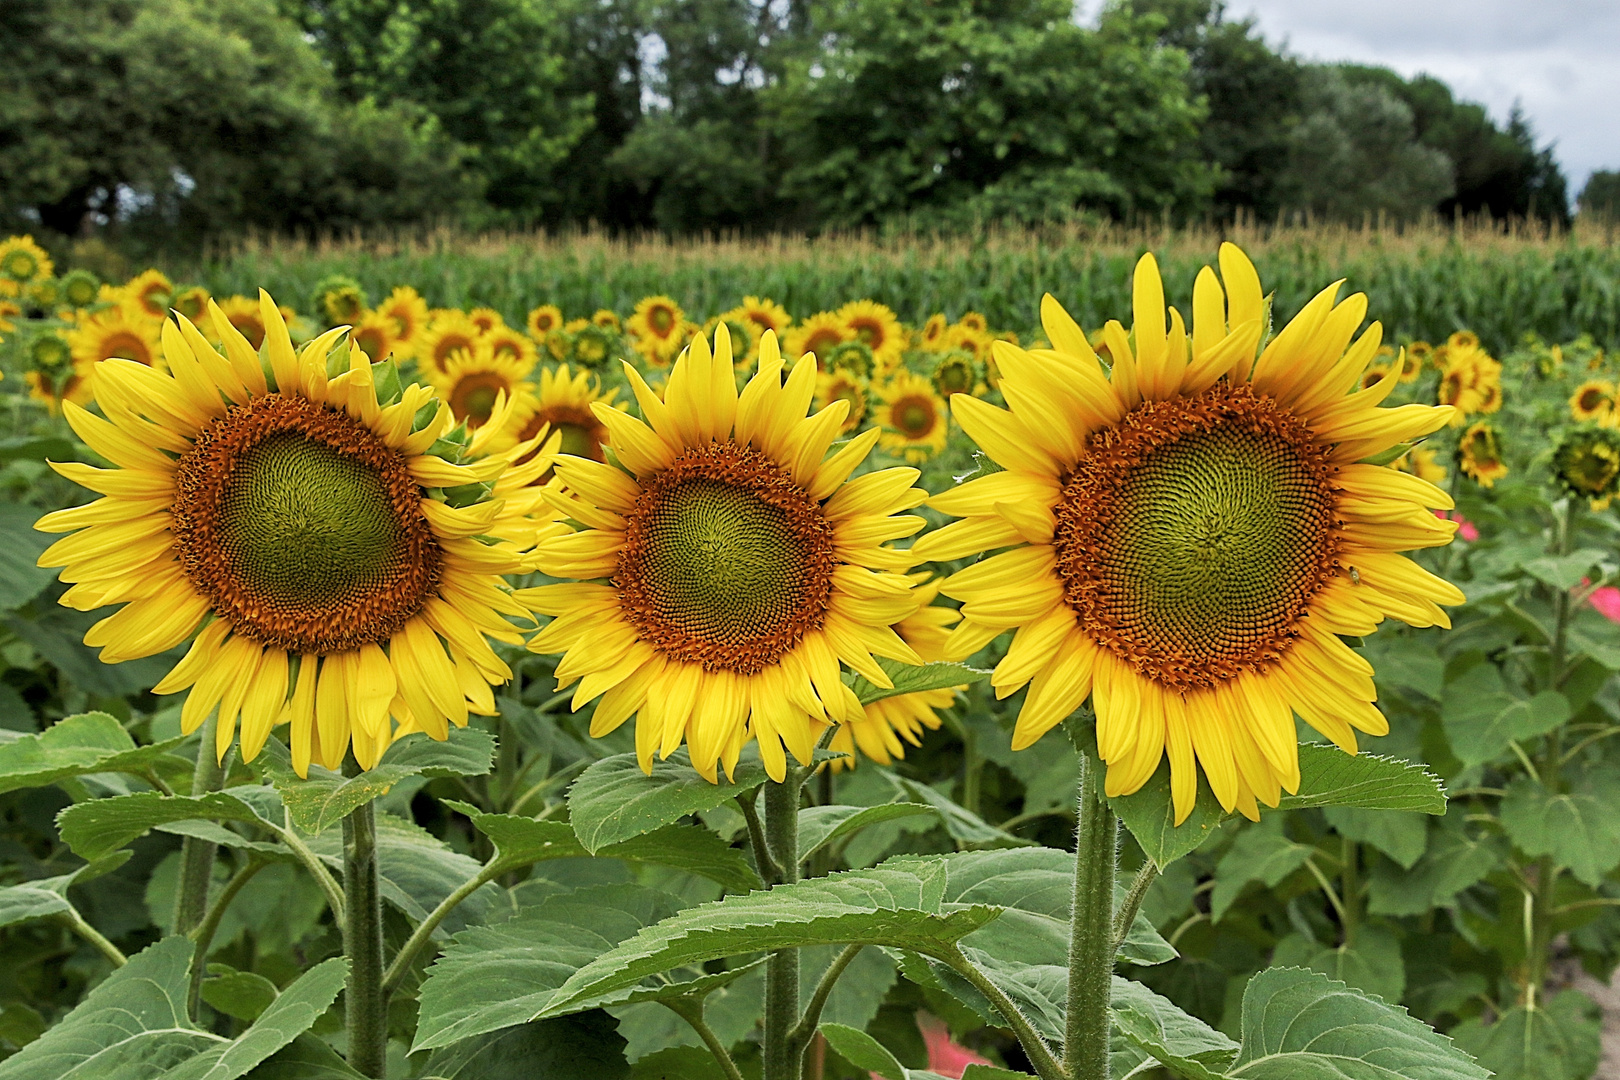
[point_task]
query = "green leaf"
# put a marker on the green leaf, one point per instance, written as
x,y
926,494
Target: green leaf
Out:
x,y
240,994
73,746
324,798
307,1058
1401,836
991,1072
37,448
614,800
521,841
1260,853
1330,777
912,678
492,977
677,1063
1561,1041
1453,862
1579,828
101,826
34,900
1373,965
1483,717
416,871
583,1047
900,904
1299,1024
1564,572
862,1051
1407,661
1188,1046
859,993
966,828
135,1025
20,548
820,826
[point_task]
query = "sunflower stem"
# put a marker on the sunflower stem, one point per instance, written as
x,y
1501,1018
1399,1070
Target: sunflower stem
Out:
x,y
365,1003
1091,931
782,1050
197,856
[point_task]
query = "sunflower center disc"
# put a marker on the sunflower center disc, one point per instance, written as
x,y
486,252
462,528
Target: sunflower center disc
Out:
x,y
1191,539
473,397
913,416
302,527
727,563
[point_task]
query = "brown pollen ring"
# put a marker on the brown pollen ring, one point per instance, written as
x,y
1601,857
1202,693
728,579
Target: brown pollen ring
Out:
x,y
1191,538
272,577
726,562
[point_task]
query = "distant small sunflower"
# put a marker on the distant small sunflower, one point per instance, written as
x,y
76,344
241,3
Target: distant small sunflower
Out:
x,y
1479,455
1463,339
409,312
878,328
975,322
473,380
8,311
745,335
1422,463
853,356
192,302
115,332
565,405
1412,362
45,294
911,416
339,300
766,314
656,326
608,320
1587,464
1376,371
932,334
152,293
487,319
22,261
505,340
448,333
847,387
817,335
956,373
374,334
543,320
247,316
80,289
1592,400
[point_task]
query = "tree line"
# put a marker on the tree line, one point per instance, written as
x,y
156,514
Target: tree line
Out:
x,y
185,120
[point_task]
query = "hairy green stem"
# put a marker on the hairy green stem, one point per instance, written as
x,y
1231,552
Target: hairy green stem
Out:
x,y
805,1029
317,869
365,1003
782,969
1035,1048
1091,930
1126,915
203,935
197,856
424,931
1350,889
691,1010
76,923
769,872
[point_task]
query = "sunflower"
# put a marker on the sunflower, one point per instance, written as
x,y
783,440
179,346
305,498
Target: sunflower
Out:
x,y
1587,464
487,319
543,320
725,572
8,311
932,335
192,302
1463,339
565,406
592,346
246,316
745,335
910,416
972,341
1412,361
878,734
1479,454
339,300
22,261
53,375
409,312
1422,463
152,293
1191,534
956,373
1376,370
473,380
286,513
1592,400
450,332
118,331
44,294
817,335
852,356
607,320
876,326
375,335
504,340
50,352
766,314
656,326
848,387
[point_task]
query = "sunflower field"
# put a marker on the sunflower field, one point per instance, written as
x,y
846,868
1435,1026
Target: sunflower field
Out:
x,y
795,664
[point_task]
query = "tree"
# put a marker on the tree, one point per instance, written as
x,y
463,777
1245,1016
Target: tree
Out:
x,y
967,109
1600,197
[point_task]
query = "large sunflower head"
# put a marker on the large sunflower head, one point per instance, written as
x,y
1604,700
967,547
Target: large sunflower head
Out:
x,y
473,381
766,314
1592,400
152,293
120,331
1191,531
1587,464
22,261
878,328
848,387
292,521
409,313
450,332
339,300
727,568
911,417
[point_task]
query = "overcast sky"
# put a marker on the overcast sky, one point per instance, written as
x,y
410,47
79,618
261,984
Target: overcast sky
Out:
x,y
1559,58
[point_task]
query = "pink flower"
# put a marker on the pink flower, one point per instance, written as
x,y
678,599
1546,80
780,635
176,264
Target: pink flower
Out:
x,y
1465,528
944,1056
1607,601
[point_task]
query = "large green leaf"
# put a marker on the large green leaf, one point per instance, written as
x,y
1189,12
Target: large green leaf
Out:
x,y
583,1047
307,1058
74,746
1579,828
134,1026
1453,862
325,798
492,977
1300,1024
614,800
416,871
864,1052
1260,853
911,679
1401,836
1564,572
1562,1040
820,826
44,897
1373,965
1483,716
966,828
1188,1046
101,826
521,841
20,548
